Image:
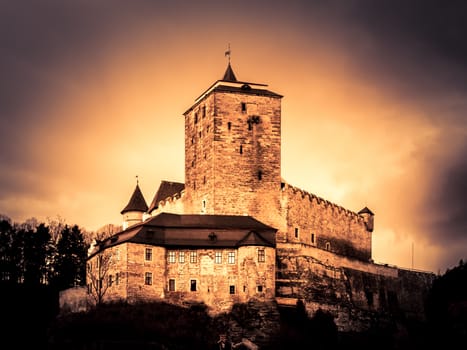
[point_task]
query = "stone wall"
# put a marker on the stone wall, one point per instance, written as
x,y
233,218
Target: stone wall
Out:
x,y
318,222
358,294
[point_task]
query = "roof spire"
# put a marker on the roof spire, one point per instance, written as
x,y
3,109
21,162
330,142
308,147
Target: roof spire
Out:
x,y
229,74
137,180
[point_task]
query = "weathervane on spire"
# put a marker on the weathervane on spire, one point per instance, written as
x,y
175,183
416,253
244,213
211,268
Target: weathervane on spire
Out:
x,y
137,180
227,53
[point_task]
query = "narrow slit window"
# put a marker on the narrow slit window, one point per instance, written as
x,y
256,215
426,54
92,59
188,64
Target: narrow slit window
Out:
x,y
243,107
296,232
260,175
241,149
229,125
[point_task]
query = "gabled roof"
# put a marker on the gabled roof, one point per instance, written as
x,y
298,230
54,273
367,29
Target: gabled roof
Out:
x,y
136,202
166,189
229,74
196,231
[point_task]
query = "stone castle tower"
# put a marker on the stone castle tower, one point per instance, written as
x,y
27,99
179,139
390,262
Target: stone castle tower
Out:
x,y
233,150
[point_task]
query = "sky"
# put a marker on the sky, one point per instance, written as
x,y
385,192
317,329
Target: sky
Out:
x,y
374,113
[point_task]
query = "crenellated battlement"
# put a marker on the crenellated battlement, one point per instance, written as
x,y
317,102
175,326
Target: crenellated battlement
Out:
x,y
324,203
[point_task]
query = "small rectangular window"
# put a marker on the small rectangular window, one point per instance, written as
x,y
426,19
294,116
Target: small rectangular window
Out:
x,y
296,232
193,257
181,257
193,285
218,258
312,238
110,281
260,289
231,257
232,289
261,255
148,278
171,285
148,254
243,107
172,257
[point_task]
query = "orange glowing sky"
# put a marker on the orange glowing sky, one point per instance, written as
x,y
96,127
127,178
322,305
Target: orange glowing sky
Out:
x,y
373,114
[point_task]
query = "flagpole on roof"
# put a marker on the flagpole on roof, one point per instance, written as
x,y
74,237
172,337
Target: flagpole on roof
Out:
x,y
227,53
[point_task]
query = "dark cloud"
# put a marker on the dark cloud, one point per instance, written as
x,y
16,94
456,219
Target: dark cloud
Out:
x,y
446,204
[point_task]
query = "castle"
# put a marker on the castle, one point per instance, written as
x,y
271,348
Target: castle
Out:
x,y
235,230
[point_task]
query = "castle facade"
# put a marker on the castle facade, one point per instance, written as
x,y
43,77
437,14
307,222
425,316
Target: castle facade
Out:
x,y
235,230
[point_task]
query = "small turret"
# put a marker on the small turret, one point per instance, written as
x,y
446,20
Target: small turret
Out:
x,y
368,216
135,209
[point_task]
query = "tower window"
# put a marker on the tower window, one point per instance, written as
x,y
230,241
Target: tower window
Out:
x,y
260,289
204,183
172,257
204,111
296,232
328,246
148,254
241,149
261,255
148,278
229,125
218,258
312,238
196,118
193,257
243,107
181,257
232,289
231,257
260,175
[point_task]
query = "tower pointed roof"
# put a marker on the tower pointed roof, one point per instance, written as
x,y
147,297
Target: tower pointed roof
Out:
x,y
136,202
229,75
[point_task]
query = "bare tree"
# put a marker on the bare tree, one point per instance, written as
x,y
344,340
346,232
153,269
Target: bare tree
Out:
x,y
97,275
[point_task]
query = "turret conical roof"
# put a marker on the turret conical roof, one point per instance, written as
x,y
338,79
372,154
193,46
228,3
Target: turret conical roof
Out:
x,y
136,203
229,74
